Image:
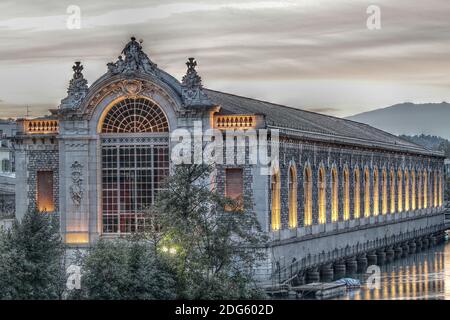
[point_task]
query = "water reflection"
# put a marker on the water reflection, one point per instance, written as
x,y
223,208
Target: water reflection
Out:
x,y
423,275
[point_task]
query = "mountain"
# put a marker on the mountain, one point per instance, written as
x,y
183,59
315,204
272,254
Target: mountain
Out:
x,y
410,119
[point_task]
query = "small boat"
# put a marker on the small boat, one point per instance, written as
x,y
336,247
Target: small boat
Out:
x,y
349,283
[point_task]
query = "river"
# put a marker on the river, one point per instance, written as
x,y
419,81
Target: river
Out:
x,y
423,275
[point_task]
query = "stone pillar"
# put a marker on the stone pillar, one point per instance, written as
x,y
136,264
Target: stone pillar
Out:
x,y
398,252
326,273
418,245
312,275
405,249
372,258
362,263
412,247
351,265
390,254
339,268
425,243
432,240
381,256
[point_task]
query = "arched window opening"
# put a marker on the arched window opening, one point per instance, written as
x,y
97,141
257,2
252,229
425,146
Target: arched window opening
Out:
x,y
420,190
322,197
392,187
376,190
132,171
400,190
435,188
366,193
135,116
334,195
413,189
384,192
346,195
406,190
292,197
276,205
357,194
425,189
307,195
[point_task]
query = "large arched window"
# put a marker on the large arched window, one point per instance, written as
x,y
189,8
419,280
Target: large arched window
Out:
x,y
366,193
356,194
276,201
334,195
435,188
346,199
392,189
425,189
322,203
376,191
135,116
384,192
400,190
413,189
307,195
406,190
292,197
135,162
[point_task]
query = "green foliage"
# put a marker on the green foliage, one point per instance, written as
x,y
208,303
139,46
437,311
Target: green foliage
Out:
x,y
31,259
216,250
122,270
430,142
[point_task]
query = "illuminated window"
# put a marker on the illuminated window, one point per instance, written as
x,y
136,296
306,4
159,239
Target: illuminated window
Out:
x,y
135,116
425,189
322,196
400,190
384,192
45,201
435,188
419,190
392,187
366,193
334,196
413,189
234,186
346,194
307,194
276,205
376,191
357,194
135,163
406,190
292,197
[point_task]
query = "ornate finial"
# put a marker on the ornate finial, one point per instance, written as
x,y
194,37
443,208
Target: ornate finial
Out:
x,y
133,59
77,90
192,79
192,88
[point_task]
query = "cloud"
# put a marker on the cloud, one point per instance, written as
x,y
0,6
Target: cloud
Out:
x,y
237,42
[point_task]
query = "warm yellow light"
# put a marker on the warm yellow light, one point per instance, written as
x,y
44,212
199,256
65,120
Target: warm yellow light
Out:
x,y
77,238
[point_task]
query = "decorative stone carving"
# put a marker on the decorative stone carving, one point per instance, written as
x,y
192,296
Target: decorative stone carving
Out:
x,y
191,87
76,189
132,60
77,90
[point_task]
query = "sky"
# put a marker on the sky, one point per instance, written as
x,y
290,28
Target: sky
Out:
x,y
318,55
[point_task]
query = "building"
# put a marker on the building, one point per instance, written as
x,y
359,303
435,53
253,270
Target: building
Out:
x,y
341,189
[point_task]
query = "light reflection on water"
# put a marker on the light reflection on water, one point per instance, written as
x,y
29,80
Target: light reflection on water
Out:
x,y
423,275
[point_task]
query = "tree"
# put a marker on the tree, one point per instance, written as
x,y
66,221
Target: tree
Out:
x,y
215,251
124,269
32,258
